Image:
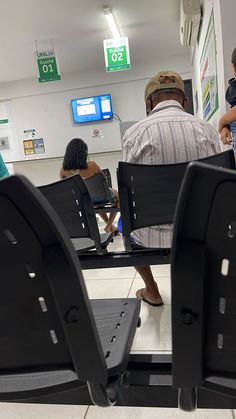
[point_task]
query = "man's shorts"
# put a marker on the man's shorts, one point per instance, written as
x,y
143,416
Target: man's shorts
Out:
x,y
136,246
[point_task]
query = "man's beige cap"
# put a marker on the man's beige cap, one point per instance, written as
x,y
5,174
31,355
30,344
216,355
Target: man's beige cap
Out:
x,y
164,80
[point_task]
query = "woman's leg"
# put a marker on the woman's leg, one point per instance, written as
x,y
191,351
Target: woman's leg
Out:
x,y
108,220
104,217
110,226
112,215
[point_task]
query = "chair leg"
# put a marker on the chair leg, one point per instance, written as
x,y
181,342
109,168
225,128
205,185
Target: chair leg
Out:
x,y
187,398
102,395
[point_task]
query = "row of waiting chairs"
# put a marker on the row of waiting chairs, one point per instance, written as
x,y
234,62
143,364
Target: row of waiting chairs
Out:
x,y
147,196
72,201
53,338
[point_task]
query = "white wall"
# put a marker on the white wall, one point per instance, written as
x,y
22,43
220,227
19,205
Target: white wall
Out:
x,y
71,81
128,88
207,9
228,14
131,106
224,18
41,172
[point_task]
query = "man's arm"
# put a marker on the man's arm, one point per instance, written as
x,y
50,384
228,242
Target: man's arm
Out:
x,y
129,148
124,148
213,137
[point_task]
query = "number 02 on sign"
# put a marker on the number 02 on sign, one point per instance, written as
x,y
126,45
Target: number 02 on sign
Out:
x,y
116,51
47,66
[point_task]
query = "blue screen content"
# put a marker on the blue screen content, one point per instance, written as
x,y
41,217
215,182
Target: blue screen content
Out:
x,y
95,108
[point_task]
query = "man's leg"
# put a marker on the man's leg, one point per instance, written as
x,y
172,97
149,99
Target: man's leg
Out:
x,y
151,291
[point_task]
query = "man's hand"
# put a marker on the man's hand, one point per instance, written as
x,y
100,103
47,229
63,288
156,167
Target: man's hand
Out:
x,y
225,136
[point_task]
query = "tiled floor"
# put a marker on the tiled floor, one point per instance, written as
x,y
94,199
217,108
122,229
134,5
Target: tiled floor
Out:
x,y
154,335
36,411
154,413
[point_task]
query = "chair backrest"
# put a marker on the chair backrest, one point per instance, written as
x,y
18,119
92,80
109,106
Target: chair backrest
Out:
x,y
203,273
98,187
107,175
148,193
225,159
72,202
46,318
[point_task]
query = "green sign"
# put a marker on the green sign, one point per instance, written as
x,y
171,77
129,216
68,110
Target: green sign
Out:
x,y
47,66
116,52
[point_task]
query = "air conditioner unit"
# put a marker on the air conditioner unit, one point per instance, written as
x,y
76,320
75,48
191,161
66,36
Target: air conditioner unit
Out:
x,y
190,17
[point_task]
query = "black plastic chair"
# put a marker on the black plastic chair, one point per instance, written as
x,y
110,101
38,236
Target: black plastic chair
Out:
x,y
203,273
71,200
107,175
148,193
98,188
51,335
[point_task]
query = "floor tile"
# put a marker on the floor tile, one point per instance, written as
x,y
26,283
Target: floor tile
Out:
x,y
117,244
111,273
155,331
163,284
39,411
154,413
112,288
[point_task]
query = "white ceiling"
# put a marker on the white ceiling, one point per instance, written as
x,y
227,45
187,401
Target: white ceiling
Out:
x,y
78,27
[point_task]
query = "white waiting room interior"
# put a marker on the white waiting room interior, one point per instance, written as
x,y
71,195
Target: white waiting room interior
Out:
x,y
75,30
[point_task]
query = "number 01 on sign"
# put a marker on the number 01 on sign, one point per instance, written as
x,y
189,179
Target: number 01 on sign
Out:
x,y
47,66
116,51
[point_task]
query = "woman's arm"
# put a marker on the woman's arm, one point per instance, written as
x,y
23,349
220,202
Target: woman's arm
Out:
x,y
61,173
227,118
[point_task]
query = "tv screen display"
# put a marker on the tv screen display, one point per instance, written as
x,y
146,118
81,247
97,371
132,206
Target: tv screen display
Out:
x,y
94,108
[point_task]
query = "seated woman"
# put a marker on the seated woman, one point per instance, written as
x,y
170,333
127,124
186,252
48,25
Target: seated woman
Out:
x,y
75,162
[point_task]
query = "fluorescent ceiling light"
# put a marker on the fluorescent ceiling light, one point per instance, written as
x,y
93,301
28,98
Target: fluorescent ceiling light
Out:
x,y
111,21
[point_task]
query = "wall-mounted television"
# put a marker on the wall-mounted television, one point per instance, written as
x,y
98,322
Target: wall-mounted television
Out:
x,y
94,108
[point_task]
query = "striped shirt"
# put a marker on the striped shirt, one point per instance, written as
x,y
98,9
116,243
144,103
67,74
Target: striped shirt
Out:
x,y
167,135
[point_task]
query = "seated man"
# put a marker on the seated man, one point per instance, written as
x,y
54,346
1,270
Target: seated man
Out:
x,y
167,135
